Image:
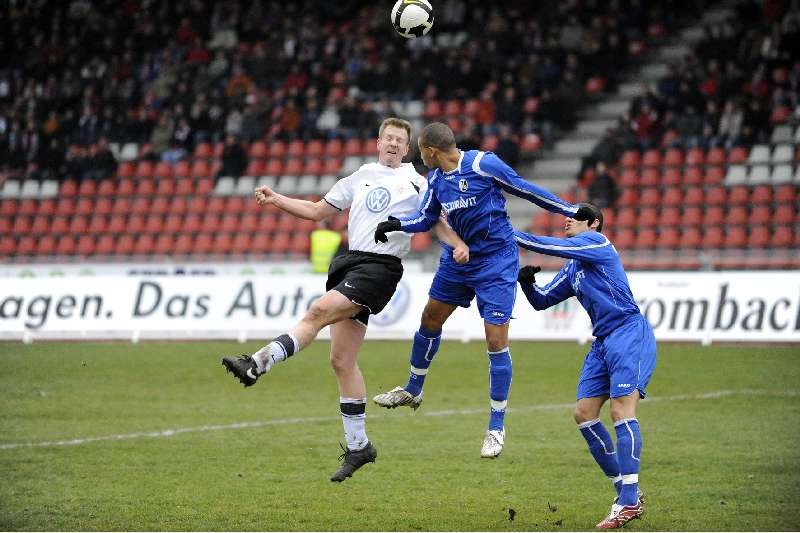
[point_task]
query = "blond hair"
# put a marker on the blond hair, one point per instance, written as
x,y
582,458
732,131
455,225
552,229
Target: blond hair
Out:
x,y
397,123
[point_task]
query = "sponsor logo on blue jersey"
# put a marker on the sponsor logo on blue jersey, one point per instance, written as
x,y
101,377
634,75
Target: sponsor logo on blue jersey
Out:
x,y
461,203
378,199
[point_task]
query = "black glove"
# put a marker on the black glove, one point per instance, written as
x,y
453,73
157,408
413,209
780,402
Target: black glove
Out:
x,y
584,213
385,227
527,274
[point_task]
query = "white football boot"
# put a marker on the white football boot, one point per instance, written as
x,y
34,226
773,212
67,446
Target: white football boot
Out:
x,y
398,397
493,443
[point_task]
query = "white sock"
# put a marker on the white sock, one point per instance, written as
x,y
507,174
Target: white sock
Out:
x,y
354,420
281,348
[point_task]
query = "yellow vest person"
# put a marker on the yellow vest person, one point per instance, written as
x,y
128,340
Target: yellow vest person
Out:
x,y
324,244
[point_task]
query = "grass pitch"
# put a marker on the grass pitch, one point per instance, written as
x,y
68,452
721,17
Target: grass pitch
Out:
x,y
155,436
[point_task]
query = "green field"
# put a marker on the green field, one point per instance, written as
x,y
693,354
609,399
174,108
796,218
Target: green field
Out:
x,y
155,436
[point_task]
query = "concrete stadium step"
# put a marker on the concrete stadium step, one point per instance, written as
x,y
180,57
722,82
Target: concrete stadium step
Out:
x,y
574,147
610,109
595,128
557,169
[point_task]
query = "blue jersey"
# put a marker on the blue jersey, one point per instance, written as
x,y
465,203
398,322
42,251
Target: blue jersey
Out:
x,y
593,274
472,197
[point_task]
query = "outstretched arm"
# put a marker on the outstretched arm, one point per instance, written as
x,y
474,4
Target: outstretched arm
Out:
x,y
587,246
489,165
295,206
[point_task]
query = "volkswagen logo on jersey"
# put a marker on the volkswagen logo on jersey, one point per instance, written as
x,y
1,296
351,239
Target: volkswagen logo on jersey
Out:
x,y
378,199
463,185
396,307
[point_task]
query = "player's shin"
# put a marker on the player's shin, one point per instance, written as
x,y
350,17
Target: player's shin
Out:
x,y
426,344
629,449
354,421
499,385
281,348
602,449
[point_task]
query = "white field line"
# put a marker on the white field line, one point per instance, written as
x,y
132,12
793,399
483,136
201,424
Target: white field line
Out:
x,y
314,419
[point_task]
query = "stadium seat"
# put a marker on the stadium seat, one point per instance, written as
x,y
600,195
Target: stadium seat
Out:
x,y
191,223
258,149
714,175
66,245
671,177
716,195
651,158
739,194
116,224
124,245
650,177
154,224
648,216
46,245
691,237
145,187
278,149
758,174
300,244
203,243
79,224
87,187
736,175
695,157
28,206
144,169
162,170
692,216
280,243
185,187
126,169
260,244
274,167
692,176
785,193
759,236
628,196
716,156
759,154
334,148
781,174
630,158
26,246
629,177
646,238
165,187
624,238
673,157
669,216
181,169
160,205
433,110
86,245
98,224
672,197
669,237
203,150
761,214
714,215
783,153
737,156
60,225
713,237
200,169
199,204
296,148
694,196
164,244
737,214
736,236
782,237
313,166
136,223
22,225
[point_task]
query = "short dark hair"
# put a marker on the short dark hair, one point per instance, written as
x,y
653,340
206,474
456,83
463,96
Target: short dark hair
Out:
x,y
596,215
438,135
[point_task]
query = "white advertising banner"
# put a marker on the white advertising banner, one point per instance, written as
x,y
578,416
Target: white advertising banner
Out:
x,y
701,307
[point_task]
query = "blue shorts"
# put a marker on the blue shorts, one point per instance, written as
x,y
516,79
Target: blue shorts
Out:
x,y
492,278
620,363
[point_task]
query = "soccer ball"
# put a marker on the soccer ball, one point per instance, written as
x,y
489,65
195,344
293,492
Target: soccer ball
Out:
x,y
412,18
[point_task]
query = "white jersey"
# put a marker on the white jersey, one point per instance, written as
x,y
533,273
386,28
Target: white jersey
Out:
x,y
373,193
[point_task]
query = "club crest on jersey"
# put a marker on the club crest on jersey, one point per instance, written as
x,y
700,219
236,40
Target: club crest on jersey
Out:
x,y
378,199
463,185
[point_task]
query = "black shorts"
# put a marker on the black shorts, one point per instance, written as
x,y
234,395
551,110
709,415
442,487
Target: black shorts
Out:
x,y
367,279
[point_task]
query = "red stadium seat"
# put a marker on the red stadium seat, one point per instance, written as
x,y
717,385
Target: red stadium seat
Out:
x,y
66,245
630,158
628,196
154,224
671,177
87,187
737,214
759,236
165,187
203,150
334,148
761,194
624,238
313,166
274,167
714,176
60,225
782,237
669,237
736,236
433,110
198,204
46,245
691,237
648,216
79,224
144,169
669,216
200,169
333,165
296,148
184,187
215,205
26,246
672,197
737,155
716,156
124,245
126,169
86,245
144,244
98,224
352,147
761,214
673,157
714,215
258,149
164,244
695,156
182,169
9,207
716,195
191,223
646,238
651,158
739,194
162,170
116,224
300,243
280,243
146,187
204,186
22,225
203,243
693,176
136,223
629,177
651,177
713,237
160,205
785,193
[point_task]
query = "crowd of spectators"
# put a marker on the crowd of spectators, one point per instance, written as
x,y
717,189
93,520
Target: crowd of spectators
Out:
x,y
76,76
730,90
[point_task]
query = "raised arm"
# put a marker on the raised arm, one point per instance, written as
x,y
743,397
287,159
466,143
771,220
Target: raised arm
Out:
x,y
587,246
489,165
295,206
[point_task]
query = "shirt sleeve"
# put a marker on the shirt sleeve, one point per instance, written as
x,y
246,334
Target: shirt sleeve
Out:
x,y
558,290
426,217
488,164
588,246
341,194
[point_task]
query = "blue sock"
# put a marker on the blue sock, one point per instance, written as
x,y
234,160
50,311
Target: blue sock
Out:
x,y
499,384
629,449
602,449
426,344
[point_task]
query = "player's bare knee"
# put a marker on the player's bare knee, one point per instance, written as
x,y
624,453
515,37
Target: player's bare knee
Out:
x,y
432,320
317,315
341,364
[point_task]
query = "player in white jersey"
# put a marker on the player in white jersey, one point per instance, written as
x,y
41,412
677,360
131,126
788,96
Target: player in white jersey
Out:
x,y
360,282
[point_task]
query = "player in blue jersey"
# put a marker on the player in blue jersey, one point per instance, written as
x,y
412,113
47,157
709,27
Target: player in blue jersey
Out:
x,y
622,357
467,186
